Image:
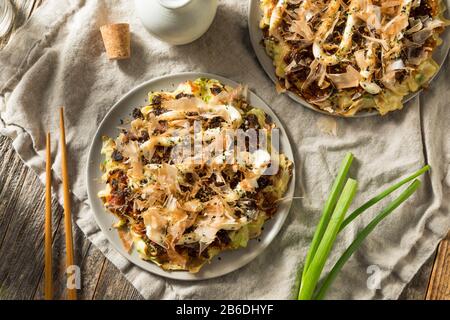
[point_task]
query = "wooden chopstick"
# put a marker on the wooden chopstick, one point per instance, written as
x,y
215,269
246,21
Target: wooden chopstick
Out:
x,y
71,293
48,285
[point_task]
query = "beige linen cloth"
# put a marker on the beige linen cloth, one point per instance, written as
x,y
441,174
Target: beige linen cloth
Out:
x,y
58,58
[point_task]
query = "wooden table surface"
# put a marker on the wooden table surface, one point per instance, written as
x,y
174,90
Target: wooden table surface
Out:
x,y
22,205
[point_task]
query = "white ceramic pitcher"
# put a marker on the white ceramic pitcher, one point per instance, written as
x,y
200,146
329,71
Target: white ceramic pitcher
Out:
x,y
176,21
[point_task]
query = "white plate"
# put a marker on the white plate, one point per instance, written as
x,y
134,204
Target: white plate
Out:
x,y
230,260
254,16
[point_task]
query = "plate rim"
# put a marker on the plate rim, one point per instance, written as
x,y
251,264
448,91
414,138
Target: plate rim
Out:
x,y
150,266
261,56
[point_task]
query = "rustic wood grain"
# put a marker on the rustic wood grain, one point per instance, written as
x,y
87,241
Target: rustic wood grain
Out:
x,y
22,206
439,286
23,10
21,246
111,285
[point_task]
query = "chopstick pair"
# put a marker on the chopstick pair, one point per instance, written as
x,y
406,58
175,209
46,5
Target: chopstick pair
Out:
x,y
48,285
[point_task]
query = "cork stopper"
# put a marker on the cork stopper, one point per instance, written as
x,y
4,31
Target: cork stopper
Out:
x,y
116,38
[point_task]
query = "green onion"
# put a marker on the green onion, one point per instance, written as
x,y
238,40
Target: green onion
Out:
x,y
328,210
309,281
363,234
382,195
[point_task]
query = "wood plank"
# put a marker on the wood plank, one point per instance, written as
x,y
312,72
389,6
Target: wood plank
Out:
x,y
21,214
21,225
22,204
81,246
113,285
439,286
20,19
14,175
